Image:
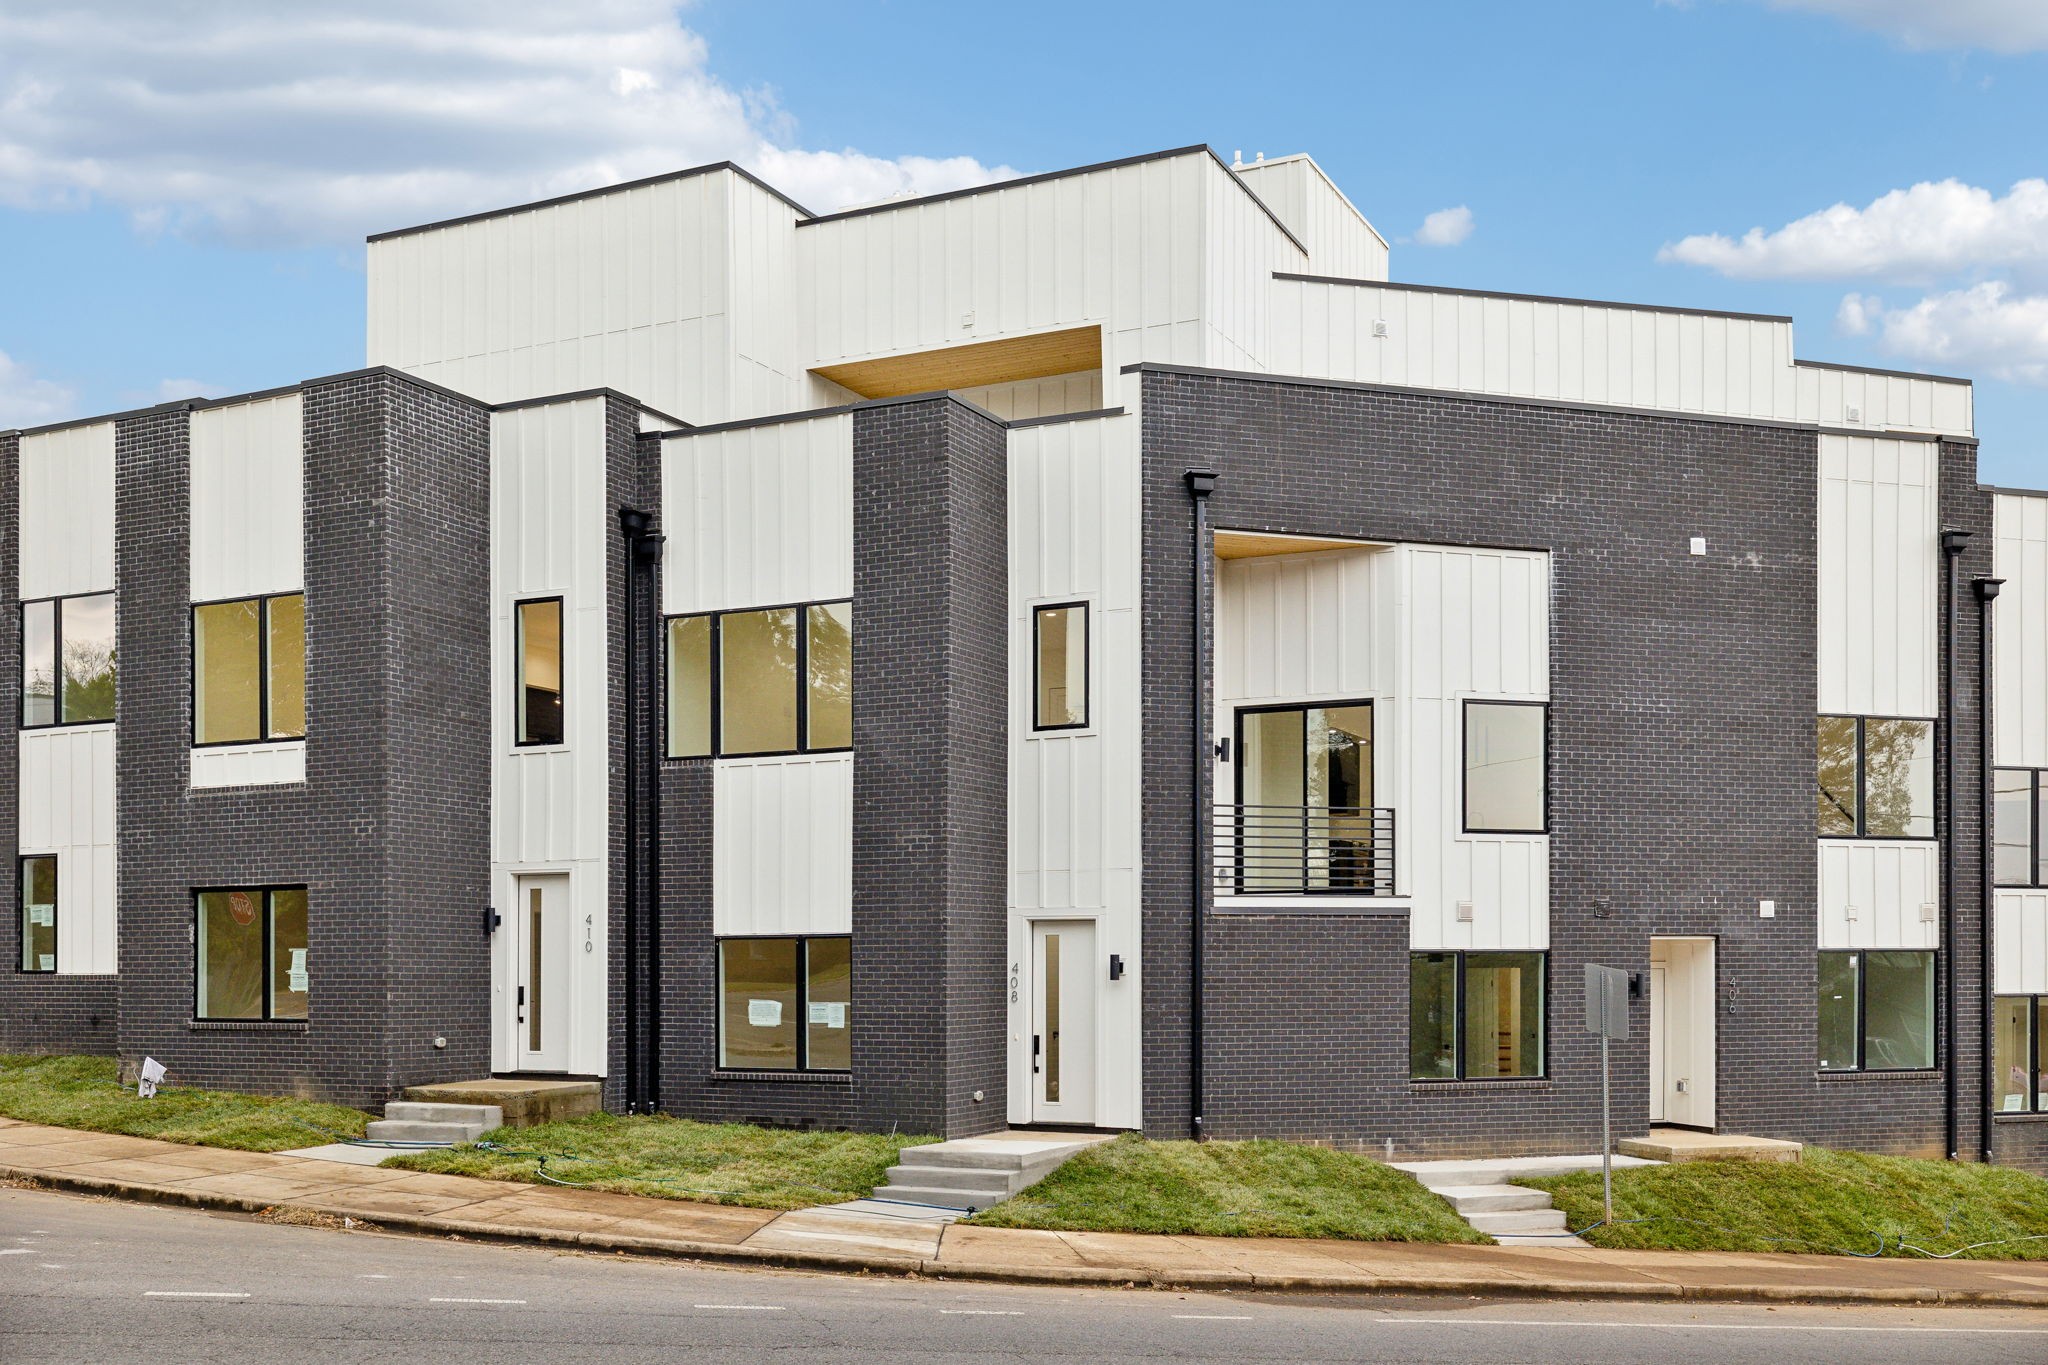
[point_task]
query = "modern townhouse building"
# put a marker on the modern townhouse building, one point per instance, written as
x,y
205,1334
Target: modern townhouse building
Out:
x,y
1090,650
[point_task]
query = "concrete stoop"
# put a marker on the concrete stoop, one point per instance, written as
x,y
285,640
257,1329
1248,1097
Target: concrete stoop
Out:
x,y
447,1124
1684,1144
970,1174
522,1101
1512,1215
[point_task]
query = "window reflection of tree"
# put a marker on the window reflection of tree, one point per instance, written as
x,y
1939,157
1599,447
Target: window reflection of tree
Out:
x,y
1891,761
88,680
1837,775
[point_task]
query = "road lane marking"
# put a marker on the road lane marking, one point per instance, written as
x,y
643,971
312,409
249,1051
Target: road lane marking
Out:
x,y
744,1307
1214,1317
983,1312
15,1251
191,1294
1721,1326
476,1300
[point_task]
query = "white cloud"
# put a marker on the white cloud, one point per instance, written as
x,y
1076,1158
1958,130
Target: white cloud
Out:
x,y
1996,25
1856,313
27,400
1987,327
322,120
1932,229
1445,227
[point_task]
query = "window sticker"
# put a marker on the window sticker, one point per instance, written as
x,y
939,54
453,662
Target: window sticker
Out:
x,y
296,974
829,1013
764,1013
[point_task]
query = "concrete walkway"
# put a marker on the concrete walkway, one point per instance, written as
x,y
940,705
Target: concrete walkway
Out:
x,y
870,1239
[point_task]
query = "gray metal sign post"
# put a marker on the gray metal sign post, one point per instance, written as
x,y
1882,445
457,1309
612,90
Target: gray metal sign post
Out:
x,y
1606,1015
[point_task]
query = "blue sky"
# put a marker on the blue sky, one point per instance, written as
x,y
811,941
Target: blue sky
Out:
x,y
184,187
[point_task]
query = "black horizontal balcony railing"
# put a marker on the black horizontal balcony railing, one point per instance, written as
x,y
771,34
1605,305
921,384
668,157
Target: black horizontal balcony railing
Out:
x,y
1304,851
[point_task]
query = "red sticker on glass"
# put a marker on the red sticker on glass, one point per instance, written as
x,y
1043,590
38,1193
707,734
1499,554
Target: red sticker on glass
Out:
x,y
241,907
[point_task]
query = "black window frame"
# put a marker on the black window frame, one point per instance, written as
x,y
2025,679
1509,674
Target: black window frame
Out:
x,y
1934,1019
21,863
2036,1102
1087,610
1458,1015
803,1002
263,735
2034,868
1863,781
1465,825
269,918
56,604
716,679
519,667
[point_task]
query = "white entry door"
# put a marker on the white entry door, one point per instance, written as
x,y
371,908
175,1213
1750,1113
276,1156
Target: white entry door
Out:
x,y
1063,972
1683,1058
542,929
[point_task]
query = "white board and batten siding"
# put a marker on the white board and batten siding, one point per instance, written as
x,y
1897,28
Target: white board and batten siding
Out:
x,y
550,807
1339,239
762,516
1879,655
247,488
65,511
2019,670
1075,794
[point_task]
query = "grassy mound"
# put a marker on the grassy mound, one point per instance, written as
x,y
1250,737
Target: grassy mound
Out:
x,y
85,1092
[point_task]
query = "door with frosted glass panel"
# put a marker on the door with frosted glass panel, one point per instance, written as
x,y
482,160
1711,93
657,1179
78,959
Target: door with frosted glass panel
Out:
x,y
1063,975
542,929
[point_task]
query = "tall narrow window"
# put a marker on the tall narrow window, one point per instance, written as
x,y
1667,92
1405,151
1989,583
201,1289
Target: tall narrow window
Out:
x,y
249,670
1876,1011
2017,797
68,665
757,681
2019,1065
38,889
250,960
777,680
1060,667
1506,767
1475,1016
828,676
689,687
783,1004
537,689
1875,777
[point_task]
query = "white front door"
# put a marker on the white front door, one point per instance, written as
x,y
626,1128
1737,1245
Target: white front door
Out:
x,y
1063,973
1683,1057
542,930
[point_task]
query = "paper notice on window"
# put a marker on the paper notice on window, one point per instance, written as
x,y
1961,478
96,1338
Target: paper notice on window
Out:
x,y
46,962
828,1014
764,1013
296,974
42,914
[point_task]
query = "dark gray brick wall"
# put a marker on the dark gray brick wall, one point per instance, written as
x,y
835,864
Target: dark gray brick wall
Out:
x,y
389,832
1682,770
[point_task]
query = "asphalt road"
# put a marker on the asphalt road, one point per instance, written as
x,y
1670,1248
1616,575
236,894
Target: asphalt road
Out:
x,y
96,1280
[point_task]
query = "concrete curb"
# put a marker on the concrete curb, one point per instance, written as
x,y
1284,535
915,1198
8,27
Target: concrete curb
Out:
x,y
1466,1286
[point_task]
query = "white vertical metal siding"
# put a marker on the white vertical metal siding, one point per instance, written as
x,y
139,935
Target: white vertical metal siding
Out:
x,y
1074,795
550,807
1241,249
1304,627
247,486
1061,393
2019,631
67,808
782,845
1879,566
1476,625
1339,239
249,765
1883,402
758,516
1884,883
2019,928
66,507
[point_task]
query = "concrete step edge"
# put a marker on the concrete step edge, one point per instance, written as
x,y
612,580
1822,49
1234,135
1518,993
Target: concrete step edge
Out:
x,y
419,1111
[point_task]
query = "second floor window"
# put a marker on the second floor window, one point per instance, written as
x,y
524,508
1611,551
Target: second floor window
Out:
x,y
778,680
67,660
1876,777
1059,667
1507,767
2016,795
249,670
537,690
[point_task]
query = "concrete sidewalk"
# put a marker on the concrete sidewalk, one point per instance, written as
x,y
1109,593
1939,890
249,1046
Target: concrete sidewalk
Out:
x,y
817,1239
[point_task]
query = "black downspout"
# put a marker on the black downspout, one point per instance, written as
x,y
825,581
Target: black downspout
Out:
x,y
1953,543
650,552
1201,483
632,525
1987,591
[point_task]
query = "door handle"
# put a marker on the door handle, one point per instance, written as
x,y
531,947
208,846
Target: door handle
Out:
x,y
1034,1054
522,1004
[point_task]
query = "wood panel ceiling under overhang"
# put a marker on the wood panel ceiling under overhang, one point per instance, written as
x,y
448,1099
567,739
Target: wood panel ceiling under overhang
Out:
x,y
973,365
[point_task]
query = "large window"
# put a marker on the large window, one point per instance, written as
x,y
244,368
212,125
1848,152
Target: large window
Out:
x,y
1305,820
67,660
251,953
2019,1070
249,670
38,888
2016,795
1059,666
1507,767
778,680
537,687
1475,1016
1877,1011
1876,777
783,1004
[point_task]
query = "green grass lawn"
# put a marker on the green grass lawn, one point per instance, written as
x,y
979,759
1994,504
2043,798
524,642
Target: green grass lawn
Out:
x,y
1838,1202
722,1163
85,1092
1232,1189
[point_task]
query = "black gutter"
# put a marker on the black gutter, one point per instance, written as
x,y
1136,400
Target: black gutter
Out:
x,y
1953,543
633,525
1201,483
1987,592
649,555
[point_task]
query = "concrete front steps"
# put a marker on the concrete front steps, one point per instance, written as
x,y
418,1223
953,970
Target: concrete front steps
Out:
x,y
445,1124
967,1175
1686,1144
1510,1214
523,1101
